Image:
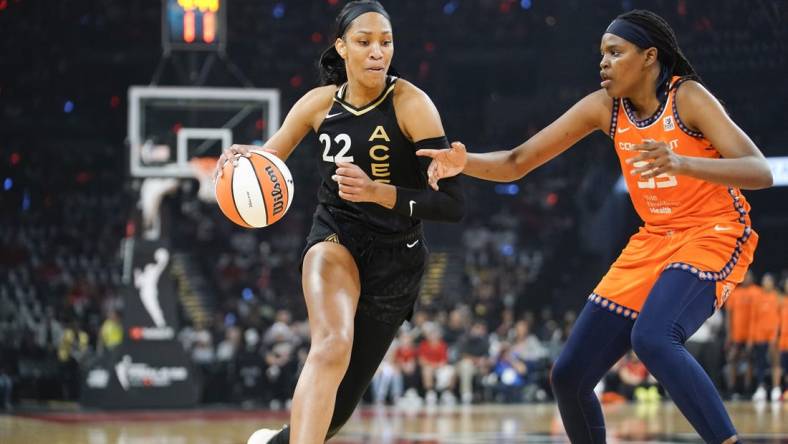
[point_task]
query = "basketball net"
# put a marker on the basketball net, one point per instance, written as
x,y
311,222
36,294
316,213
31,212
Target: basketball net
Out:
x,y
203,168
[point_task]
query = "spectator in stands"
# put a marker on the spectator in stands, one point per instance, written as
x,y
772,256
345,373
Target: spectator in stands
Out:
x,y
202,351
249,368
511,373
280,372
417,322
387,382
48,333
406,360
111,333
527,346
505,324
630,379
6,383
71,351
455,329
436,374
229,346
281,360
485,304
473,362
280,330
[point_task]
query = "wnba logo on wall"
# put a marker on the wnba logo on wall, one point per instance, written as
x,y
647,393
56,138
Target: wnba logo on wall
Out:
x,y
146,279
668,124
98,378
131,374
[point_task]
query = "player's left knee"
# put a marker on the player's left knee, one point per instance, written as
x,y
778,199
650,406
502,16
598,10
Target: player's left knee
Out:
x,y
650,346
564,376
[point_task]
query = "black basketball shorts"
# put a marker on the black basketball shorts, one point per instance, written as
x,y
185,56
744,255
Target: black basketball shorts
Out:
x,y
390,266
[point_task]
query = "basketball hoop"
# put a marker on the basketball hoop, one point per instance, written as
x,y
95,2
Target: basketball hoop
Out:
x,y
203,168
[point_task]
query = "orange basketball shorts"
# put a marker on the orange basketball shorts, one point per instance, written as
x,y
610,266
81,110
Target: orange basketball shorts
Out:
x,y
719,252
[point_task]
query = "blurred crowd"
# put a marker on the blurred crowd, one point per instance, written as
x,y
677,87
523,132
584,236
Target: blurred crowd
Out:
x,y
518,275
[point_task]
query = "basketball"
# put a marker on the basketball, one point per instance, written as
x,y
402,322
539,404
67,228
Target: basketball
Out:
x,y
257,191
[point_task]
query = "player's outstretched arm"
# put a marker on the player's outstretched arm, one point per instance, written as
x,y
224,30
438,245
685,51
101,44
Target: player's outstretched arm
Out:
x,y
589,114
305,115
742,164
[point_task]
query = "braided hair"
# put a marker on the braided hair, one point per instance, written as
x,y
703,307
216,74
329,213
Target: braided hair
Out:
x,y
671,58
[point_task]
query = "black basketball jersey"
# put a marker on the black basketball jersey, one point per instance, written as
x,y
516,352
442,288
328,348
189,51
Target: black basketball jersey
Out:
x,y
369,137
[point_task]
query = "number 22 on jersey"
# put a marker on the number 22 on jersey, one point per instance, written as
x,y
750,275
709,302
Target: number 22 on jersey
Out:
x,y
341,156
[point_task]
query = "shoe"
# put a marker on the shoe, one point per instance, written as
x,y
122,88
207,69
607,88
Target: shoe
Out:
x,y
431,398
652,394
467,398
776,394
448,398
760,395
262,436
641,394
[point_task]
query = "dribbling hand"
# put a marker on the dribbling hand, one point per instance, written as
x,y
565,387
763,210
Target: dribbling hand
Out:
x,y
447,162
232,154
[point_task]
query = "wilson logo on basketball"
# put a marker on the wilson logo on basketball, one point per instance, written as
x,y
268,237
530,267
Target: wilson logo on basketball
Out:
x,y
276,191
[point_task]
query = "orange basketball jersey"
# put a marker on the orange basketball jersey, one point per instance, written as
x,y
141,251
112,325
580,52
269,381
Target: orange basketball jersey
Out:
x,y
784,323
690,224
668,202
765,316
739,310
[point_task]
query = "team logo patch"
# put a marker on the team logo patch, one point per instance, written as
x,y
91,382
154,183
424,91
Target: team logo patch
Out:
x,y
332,238
727,288
668,124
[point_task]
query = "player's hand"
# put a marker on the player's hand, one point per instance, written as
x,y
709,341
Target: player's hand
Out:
x,y
447,162
232,154
354,184
659,158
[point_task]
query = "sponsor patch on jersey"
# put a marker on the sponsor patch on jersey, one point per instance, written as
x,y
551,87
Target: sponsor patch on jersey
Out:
x,y
668,124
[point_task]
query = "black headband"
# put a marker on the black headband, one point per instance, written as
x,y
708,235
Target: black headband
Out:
x,y
638,36
357,10
630,32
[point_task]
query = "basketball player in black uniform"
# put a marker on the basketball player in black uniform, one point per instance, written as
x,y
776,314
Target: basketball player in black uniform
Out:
x,y
365,254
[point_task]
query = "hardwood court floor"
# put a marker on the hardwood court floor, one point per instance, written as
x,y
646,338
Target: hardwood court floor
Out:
x,y
532,423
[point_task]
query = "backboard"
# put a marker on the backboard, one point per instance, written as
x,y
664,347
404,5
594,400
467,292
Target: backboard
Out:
x,y
169,126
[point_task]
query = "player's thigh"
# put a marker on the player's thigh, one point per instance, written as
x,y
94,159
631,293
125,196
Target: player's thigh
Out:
x,y
331,284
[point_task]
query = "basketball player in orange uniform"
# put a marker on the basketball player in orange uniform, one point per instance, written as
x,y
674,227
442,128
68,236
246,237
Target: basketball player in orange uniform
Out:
x,y
783,337
684,161
365,254
762,339
738,318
